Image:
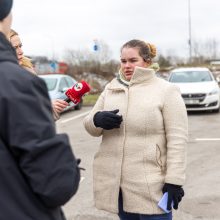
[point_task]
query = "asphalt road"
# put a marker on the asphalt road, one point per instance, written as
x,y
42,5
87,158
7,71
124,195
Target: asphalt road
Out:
x,y
202,188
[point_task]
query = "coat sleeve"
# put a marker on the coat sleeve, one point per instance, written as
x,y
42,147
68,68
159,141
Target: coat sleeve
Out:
x,y
176,129
45,158
88,121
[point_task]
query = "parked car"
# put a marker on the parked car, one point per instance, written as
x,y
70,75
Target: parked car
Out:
x,y
57,85
198,87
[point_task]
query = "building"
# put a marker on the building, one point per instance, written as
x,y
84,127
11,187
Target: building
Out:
x,y
43,65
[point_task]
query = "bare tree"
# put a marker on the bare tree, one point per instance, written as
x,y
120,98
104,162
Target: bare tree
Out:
x,y
87,61
103,53
211,48
204,50
77,57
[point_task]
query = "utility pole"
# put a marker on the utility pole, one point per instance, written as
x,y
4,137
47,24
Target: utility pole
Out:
x,y
190,33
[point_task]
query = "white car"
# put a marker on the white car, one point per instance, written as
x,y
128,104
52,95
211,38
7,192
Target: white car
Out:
x,y
57,85
198,87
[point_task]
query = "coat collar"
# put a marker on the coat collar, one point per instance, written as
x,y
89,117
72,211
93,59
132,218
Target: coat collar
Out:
x,y
116,85
141,75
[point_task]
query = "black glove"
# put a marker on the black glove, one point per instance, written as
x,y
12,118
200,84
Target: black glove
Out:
x,y
175,194
107,119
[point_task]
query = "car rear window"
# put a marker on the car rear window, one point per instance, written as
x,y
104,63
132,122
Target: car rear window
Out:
x,y
190,77
51,83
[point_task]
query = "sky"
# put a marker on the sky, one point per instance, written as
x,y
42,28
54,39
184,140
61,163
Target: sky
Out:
x,y
50,27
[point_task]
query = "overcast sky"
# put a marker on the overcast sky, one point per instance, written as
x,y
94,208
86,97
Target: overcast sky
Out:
x,y
49,27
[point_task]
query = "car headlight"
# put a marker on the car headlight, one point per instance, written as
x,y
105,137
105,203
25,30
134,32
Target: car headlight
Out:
x,y
214,92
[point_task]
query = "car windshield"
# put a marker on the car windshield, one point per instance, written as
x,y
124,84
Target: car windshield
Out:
x,y
51,83
190,77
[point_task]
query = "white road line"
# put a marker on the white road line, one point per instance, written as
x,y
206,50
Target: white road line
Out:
x,y
207,139
75,117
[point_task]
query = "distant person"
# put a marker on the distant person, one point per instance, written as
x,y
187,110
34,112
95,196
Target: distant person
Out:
x,y
17,45
57,104
38,170
143,123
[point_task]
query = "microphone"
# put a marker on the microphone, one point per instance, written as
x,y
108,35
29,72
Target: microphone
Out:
x,y
77,91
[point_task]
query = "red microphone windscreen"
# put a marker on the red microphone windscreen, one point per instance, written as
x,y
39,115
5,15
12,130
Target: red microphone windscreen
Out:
x,y
77,91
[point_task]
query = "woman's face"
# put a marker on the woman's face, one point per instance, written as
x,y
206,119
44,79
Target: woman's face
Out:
x,y
16,43
130,58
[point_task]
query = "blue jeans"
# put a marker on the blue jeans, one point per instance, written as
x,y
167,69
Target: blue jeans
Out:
x,y
133,216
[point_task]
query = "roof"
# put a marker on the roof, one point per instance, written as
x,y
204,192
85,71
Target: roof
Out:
x,y
53,76
185,69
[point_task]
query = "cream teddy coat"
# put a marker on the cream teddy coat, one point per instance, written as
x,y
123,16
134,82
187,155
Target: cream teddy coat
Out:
x,y
147,150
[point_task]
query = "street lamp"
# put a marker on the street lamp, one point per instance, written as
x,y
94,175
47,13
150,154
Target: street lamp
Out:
x,y
190,34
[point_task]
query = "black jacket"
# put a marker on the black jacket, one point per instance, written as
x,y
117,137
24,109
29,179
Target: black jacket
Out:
x,y
38,171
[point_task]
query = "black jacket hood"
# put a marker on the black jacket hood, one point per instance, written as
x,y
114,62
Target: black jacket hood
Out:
x,y
7,52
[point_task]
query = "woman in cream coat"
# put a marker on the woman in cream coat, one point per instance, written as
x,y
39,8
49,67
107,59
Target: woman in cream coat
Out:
x,y
143,123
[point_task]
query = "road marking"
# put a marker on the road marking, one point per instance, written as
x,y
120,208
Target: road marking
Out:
x,y
75,117
82,178
207,139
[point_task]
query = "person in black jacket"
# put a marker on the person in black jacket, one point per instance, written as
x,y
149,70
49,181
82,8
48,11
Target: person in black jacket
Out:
x,y
38,170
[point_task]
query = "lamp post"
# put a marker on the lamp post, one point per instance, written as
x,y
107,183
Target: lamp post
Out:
x,y
190,34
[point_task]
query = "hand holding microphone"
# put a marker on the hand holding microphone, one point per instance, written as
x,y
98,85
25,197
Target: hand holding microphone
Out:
x,y
76,92
59,105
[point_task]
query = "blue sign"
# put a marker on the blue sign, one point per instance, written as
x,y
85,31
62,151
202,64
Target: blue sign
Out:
x,y
53,65
95,47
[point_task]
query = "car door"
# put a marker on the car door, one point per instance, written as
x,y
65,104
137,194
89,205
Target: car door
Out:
x,y
63,86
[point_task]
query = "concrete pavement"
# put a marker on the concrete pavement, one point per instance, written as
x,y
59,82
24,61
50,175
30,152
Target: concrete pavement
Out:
x,y
202,189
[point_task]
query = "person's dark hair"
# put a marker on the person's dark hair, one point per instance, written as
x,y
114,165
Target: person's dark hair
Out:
x,y
146,50
5,8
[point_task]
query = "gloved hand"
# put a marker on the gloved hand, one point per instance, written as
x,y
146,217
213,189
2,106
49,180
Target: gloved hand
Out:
x,y
107,119
175,194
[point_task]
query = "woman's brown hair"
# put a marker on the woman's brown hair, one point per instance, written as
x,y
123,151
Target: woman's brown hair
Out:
x,y
12,33
146,50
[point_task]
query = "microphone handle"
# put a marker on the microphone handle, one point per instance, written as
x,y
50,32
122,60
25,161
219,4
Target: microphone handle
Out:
x,y
67,100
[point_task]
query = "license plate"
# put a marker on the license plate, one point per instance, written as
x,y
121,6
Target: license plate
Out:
x,y
191,101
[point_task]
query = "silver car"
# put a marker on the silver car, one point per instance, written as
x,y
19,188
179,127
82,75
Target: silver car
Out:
x,y
57,85
198,87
